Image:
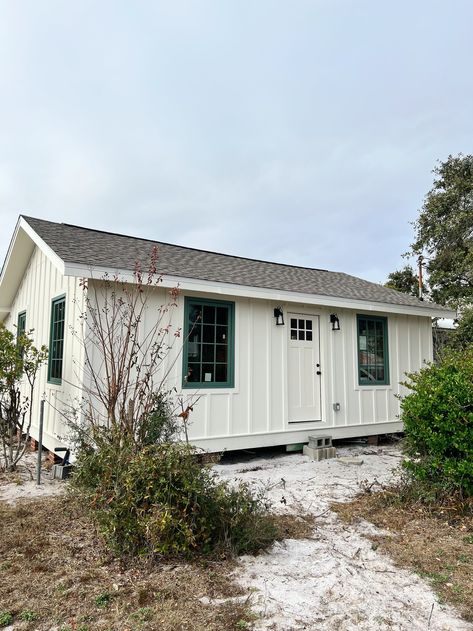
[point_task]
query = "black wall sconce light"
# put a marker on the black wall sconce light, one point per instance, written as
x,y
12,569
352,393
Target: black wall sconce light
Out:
x,y
335,322
278,315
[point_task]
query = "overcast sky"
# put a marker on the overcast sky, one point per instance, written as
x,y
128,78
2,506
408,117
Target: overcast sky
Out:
x,y
303,132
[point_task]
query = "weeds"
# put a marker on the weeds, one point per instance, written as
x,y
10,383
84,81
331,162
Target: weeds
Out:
x,y
6,618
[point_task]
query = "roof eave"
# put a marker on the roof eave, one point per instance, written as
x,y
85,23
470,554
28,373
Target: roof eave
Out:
x,y
212,287
16,261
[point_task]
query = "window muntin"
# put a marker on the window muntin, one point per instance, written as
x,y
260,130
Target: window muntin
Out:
x,y
301,329
373,362
208,360
56,340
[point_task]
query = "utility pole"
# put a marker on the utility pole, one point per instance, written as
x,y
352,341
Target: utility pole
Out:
x,y
420,260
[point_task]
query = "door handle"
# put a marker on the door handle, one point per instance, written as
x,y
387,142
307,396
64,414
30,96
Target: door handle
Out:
x,y
319,372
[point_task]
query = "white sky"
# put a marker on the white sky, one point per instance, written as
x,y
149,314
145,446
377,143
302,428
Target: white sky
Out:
x,y
302,132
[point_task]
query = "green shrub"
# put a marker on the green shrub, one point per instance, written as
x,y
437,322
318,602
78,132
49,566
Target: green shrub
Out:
x,y
161,425
161,501
438,423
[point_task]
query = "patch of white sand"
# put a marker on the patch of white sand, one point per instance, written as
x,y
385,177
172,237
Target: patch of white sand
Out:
x,y
334,581
23,482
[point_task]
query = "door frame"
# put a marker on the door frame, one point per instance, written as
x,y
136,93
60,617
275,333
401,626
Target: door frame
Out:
x,y
316,318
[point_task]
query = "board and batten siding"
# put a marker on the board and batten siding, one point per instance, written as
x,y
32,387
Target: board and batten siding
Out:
x,y
41,283
255,411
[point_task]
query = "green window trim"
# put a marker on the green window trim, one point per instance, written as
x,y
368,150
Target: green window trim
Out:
x,y
56,340
21,324
208,359
373,350
20,330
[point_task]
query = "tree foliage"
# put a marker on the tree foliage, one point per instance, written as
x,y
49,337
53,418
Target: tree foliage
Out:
x,y
404,280
438,423
444,232
462,336
20,361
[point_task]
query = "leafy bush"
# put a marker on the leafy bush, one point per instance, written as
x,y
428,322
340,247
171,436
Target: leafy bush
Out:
x,y
438,423
160,426
161,501
462,337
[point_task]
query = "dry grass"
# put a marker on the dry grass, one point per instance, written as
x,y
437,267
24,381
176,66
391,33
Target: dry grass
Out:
x,y
437,544
55,570
294,526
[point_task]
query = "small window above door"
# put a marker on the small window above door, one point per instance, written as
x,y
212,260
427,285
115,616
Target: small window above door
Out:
x,y
301,329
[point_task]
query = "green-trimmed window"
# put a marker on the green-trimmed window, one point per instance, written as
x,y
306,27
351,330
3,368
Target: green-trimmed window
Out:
x,y
56,340
373,360
208,360
21,324
20,329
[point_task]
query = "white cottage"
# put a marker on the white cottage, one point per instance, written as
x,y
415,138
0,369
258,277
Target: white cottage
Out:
x,y
280,352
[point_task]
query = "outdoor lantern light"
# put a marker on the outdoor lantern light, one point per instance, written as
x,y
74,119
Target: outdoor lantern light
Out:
x,y
278,314
335,322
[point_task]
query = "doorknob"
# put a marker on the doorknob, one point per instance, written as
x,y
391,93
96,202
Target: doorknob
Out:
x,y
319,372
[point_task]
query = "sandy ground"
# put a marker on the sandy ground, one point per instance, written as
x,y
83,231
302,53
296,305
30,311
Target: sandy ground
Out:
x,y
334,581
22,483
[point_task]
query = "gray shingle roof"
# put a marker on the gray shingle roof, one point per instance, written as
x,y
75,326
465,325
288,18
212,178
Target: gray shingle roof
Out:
x,y
93,248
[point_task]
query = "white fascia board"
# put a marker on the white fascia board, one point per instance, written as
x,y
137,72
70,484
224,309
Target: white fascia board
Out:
x,y
243,291
10,250
43,246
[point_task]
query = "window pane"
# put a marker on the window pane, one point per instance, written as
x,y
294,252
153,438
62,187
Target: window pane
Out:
x,y
195,313
208,352
301,335
222,315
308,325
208,373
209,315
301,324
293,323
293,334
308,336
194,351
221,353
221,373
193,373
208,333
195,333
222,335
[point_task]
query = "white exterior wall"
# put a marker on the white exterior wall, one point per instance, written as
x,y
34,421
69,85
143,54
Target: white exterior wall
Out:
x,y
255,412
41,283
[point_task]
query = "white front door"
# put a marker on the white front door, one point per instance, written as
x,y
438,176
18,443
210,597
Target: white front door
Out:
x,y
304,387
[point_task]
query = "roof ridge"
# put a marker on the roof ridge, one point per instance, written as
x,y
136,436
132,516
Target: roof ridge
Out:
x,y
185,247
